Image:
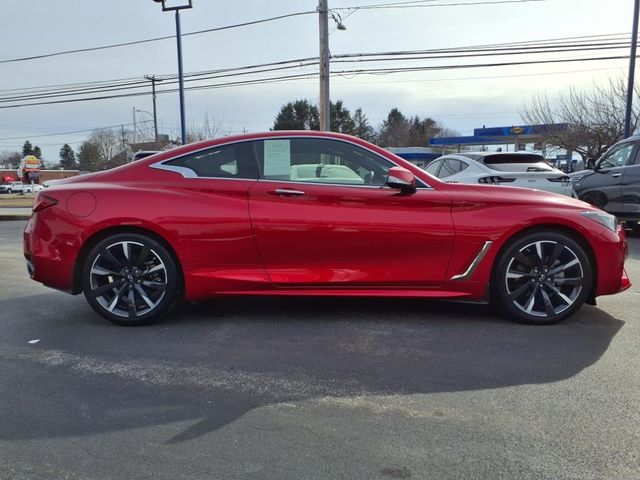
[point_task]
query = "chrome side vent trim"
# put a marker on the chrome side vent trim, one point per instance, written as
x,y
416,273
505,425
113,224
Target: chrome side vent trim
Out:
x,y
474,263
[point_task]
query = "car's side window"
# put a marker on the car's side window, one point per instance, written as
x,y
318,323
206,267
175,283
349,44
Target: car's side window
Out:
x,y
317,160
433,167
450,167
619,156
236,160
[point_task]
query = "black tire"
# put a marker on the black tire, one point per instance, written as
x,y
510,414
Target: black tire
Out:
x,y
542,278
9,190
130,279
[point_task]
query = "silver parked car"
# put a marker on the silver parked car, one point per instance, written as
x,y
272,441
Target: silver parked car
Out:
x,y
515,169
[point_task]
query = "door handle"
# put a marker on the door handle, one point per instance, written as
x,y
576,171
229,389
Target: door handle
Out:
x,y
616,175
287,192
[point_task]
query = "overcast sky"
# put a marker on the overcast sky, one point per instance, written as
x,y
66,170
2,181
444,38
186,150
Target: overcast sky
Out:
x,y
460,99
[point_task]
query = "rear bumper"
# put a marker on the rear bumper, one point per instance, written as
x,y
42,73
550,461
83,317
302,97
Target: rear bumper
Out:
x,y
50,250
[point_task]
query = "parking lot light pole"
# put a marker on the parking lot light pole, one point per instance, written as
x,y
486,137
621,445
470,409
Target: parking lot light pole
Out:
x,y
176,6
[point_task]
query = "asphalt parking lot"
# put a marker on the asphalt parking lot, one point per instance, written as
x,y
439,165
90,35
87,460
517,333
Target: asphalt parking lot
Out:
x,y
314,389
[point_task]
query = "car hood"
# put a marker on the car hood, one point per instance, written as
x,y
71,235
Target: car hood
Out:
x,y
514,196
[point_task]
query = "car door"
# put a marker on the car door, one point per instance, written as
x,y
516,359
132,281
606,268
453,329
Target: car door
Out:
x,y
323,216
631,189
216,236
604,188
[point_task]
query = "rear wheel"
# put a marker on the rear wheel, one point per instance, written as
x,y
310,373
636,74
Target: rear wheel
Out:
x,y
542,278
130,279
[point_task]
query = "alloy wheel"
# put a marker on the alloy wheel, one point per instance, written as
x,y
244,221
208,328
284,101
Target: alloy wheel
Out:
x,y
544,278
128,279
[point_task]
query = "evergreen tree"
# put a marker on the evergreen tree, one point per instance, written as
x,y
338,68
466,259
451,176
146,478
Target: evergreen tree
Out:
x,y
298,115
394,131
68,158
421,130
27,149
89,157
340,120
37,152
363,129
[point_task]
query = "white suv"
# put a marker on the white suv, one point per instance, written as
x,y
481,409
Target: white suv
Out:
x,y
12,187
16,187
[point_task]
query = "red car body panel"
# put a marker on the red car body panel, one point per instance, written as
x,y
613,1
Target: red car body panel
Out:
x,y
236,237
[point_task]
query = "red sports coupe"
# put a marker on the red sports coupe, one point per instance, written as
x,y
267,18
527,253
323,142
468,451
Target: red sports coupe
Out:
x,y
311,213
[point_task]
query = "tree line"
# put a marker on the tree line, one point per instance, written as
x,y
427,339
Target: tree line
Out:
x,y
397,130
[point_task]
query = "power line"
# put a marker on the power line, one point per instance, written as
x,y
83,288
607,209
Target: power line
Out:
x,y
433,54
71,132
156,39
457,4
255,22
546,43
377,71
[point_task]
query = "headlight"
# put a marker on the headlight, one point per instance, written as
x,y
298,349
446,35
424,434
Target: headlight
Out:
x,y
577,178
603,218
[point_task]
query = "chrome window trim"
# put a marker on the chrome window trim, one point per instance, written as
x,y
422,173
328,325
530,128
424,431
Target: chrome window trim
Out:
x,y
188,173
324,184
184,171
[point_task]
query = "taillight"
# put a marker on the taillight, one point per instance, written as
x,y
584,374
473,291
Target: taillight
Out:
x,y
44,201
495,180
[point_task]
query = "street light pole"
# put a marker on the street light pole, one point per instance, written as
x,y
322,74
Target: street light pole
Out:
x,y
325,99
183,126
182,5
632,68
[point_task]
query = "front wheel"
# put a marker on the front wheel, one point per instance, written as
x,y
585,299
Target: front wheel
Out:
x,y
542,278
130,279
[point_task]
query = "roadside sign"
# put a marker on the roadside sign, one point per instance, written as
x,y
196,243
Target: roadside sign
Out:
x,y
30,163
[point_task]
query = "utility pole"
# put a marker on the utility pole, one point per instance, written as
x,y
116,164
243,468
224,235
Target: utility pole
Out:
x,y
135,127
632,68
153,80
325,99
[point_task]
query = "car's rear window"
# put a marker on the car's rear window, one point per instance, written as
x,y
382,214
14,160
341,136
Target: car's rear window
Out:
x,y
511,158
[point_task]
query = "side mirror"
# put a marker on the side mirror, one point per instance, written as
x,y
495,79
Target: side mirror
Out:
x,y
402,179
598,169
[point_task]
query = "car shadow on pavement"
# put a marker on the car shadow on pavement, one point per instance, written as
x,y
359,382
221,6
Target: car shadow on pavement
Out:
x,y
211,363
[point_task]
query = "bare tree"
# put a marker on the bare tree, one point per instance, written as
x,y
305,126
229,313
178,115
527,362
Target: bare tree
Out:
x,y
10,160
107,142
594,117
210,128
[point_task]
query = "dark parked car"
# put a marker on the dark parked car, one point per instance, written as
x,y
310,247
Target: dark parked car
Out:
x,y
614,183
